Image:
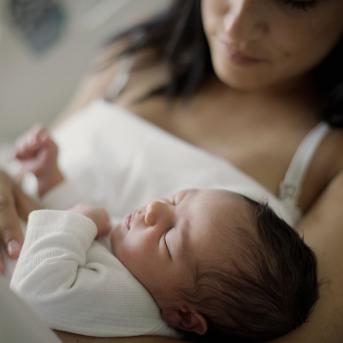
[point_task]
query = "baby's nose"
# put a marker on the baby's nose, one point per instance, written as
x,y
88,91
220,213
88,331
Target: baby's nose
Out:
x,y
157,211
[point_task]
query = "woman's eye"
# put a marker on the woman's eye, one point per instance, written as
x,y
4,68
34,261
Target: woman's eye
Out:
x,y
303,5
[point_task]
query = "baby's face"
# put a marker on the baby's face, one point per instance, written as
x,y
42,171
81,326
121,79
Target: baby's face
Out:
x,y
163,242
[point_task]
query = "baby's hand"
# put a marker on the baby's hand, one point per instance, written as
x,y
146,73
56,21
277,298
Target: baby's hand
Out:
x,y
37,152
99,216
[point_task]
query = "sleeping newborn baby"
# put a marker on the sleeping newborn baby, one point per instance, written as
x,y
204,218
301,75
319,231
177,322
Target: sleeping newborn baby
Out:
x,y
203,263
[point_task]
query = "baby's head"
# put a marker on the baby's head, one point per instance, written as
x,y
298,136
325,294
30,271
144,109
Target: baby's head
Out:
x,y
219,265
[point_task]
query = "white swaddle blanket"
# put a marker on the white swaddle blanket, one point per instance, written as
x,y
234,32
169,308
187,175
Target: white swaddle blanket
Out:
x,y
122,161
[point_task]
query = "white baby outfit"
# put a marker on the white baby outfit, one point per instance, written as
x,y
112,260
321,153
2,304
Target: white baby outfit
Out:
x,y
117,160
75,283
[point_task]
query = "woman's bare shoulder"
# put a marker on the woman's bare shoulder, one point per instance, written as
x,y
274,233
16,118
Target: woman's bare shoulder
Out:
x,y
73,338
322,223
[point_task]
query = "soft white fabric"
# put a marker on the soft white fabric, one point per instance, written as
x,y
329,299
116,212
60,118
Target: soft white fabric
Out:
x,y
64,196
113,152
77,285
18,323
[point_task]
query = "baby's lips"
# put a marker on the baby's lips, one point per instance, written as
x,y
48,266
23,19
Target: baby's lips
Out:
x,y
127,221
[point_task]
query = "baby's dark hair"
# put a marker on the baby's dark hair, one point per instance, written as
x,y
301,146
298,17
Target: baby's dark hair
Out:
x,y
269,292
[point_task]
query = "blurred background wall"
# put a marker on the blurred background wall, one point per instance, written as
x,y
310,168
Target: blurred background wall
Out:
x,y
45,48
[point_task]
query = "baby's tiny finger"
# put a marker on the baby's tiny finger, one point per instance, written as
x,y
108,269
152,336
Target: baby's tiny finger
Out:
x,y
42,136
25,149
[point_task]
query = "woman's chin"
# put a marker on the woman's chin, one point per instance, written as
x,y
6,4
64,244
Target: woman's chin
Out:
x,y
241,82
242,79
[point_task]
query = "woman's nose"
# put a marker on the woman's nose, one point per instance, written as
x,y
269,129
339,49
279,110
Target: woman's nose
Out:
x,y
158,212
245,20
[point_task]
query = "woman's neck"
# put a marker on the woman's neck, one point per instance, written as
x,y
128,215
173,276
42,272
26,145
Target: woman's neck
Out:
x,y
300,91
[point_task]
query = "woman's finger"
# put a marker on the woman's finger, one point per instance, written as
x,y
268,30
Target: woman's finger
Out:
x,y
10,230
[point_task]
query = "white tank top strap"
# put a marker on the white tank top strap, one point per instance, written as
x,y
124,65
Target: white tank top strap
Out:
x,y
120,80
291,185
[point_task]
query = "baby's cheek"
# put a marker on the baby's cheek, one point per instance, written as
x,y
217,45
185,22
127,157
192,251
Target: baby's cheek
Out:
x,y
134,248
129,250
121,247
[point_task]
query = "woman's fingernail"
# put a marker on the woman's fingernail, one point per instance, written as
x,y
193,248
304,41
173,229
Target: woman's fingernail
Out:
x,y
13,248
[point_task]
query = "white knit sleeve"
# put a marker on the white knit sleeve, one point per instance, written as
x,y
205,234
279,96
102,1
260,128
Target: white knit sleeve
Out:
x,y
53,273
54,249
75,284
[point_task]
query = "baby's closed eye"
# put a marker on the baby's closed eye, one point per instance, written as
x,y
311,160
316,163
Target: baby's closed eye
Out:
x,y
167,245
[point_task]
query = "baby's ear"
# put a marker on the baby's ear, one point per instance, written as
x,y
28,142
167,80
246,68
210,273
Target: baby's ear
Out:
x,y
186,319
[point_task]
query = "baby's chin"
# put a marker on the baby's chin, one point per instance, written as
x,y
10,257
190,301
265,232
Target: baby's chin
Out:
x,y
115,236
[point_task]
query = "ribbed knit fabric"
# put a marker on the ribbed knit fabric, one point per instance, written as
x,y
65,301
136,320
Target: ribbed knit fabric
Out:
x,y
75,283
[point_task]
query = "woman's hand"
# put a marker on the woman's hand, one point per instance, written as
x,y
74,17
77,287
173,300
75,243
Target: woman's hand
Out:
x,y
14,204
10,231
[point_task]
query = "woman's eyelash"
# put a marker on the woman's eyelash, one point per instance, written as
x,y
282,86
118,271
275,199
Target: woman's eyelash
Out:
x,y
301,5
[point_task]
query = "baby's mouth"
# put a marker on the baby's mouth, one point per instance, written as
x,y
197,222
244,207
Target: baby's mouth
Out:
x,y
128,220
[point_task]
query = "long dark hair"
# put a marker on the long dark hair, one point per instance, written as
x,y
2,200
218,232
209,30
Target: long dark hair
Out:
x,y
178,38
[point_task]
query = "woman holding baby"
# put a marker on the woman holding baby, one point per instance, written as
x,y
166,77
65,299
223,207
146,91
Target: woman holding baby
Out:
x,y
256,83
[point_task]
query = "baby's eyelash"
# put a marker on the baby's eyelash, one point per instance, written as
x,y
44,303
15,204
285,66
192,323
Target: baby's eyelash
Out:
x,y
303,5
165,242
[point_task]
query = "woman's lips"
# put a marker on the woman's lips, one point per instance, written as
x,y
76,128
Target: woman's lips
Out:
x,y
238,57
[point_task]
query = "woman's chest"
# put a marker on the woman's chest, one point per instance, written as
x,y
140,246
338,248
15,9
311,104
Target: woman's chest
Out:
x,y
260,142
